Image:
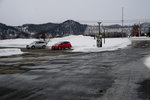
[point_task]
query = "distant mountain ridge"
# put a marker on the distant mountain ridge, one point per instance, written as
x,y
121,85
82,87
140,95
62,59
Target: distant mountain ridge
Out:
x,y
35,30
68,27
7,32
145,25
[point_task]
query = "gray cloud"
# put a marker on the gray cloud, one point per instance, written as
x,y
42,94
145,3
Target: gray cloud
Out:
x,y
1,1
17,12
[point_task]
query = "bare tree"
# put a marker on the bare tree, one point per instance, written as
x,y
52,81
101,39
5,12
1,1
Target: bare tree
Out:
x,y
135,30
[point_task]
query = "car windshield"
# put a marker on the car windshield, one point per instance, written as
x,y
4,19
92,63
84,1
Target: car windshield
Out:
x,y
34,42
58,43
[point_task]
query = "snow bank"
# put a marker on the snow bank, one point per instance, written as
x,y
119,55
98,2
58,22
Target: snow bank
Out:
x,y
10,51
147,62
79,43
21,43
88,44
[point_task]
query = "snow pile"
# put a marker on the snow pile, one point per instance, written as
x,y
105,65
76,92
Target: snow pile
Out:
x,y
10,51
21,43
147,62
88,44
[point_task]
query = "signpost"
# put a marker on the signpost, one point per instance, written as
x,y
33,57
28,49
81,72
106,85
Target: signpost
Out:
x,y
99,37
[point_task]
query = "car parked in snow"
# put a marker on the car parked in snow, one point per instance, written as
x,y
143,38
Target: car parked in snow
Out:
x,y
37,44
62,45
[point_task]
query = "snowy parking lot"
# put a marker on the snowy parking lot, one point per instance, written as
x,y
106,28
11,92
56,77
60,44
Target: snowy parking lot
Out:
x,y
84,72
42,74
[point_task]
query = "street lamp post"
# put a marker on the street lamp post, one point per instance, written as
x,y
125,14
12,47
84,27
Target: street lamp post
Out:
x,y
99,37
104,35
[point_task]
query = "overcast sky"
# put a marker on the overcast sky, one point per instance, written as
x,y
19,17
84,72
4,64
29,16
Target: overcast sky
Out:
x,y
18,12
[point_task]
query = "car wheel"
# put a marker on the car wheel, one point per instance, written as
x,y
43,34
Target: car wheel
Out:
x,y
69,47
43,47
27,47
53,48
33,47
59,48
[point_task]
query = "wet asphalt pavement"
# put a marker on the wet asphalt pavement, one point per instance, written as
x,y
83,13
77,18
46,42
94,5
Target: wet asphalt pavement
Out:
x,y
60,75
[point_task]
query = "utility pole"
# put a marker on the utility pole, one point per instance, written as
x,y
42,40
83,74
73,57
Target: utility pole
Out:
x,y
139,29
122,19
99,36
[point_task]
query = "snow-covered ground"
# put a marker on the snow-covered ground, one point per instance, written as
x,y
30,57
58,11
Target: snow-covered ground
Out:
x,y
147,62
10,51
80,43
20,43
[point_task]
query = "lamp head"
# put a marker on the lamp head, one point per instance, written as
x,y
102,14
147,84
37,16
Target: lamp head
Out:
x,y
99,22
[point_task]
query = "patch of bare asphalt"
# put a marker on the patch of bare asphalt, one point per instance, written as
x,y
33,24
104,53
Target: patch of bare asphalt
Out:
x,y
4,91
144,89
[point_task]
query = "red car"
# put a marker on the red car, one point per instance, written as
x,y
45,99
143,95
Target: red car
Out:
x,y
62,45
